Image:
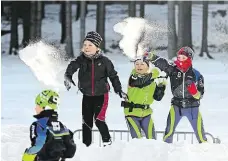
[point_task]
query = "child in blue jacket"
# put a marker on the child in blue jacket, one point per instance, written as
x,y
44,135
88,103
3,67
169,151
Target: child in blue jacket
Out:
x,y
50,139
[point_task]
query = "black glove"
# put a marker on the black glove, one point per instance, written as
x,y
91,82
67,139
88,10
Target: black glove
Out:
x,y
68,81
123,95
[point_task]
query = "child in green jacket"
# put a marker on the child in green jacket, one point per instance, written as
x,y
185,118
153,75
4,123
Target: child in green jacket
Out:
x,y
142,91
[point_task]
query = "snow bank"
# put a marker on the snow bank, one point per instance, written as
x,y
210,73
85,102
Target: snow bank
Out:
x,y
15,139
46,62
151,150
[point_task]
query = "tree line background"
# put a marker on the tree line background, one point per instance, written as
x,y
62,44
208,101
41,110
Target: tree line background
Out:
x,y
31,14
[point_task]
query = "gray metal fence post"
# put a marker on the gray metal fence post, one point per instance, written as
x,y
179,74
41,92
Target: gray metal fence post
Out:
x,y
115,132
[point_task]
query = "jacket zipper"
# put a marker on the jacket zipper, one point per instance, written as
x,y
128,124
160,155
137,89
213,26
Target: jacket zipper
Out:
x,y
92,78
183,83
183,102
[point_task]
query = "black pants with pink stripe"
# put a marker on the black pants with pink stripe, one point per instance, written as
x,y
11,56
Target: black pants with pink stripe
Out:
x,y
94,108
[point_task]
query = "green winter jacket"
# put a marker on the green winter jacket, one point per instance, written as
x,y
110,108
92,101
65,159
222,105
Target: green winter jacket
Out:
x,y
140,91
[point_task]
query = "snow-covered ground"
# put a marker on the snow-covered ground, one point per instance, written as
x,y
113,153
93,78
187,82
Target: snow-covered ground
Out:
x,y
20,86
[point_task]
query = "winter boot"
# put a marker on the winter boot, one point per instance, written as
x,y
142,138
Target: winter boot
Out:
x,y
107,143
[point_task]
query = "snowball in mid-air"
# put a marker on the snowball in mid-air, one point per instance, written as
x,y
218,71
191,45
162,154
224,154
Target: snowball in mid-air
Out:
x,y
139,34
46,62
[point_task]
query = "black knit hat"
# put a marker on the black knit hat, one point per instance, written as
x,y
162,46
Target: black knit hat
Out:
x,y
94,37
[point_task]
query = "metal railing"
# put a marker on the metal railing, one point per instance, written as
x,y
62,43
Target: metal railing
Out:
x,y
125,135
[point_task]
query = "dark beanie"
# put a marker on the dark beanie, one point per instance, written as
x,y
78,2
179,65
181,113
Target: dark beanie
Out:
x,y
145,61
94,37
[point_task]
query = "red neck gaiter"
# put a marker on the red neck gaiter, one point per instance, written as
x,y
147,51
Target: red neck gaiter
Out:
x,y
183,65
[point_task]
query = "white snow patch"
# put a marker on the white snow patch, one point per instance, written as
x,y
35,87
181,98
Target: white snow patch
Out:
x,y
139,34
15,139
46,61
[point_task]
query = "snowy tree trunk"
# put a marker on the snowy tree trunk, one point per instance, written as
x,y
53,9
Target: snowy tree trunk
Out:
x,y
38,19
78,11
63,21
14,30
204,44
132,8
69,43
43,9
2,8
142,9
100,27
185,24
82,20
33,20
26,8
172,37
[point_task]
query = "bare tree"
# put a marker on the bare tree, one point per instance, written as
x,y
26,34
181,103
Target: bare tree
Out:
x,y
63,21
2,8
132,8
185,24
204,44
100,27
172,37
38,19
33,20
14,31
142,9
69,43
25,8
43,9
82,19
78,9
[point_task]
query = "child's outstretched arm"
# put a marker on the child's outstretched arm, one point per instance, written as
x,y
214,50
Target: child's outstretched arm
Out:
x,y
160,62
71,69
37,137
140,82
